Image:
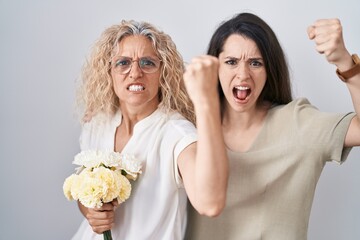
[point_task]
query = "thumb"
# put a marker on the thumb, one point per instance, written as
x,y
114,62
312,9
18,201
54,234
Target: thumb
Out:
x,y
311,32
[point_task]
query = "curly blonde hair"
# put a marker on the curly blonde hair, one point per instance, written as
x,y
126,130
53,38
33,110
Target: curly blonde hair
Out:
x,y
96,92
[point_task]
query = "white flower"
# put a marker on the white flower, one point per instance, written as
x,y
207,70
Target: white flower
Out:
x,y
93,158
131,166
67,186
100,178
125,190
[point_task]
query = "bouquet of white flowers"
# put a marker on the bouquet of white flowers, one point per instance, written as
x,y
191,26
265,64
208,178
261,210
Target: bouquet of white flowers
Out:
x,y
102,177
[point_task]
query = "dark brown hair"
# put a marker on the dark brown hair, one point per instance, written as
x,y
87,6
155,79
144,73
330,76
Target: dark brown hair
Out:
x,y
277,89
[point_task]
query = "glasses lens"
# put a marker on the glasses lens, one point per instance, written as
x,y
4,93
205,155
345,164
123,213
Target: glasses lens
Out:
x,y
122,65
149,65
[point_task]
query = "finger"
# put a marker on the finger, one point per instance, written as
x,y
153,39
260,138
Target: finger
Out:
x,y
327,27
106,207
101,221
100,225
328,43
115,203
311,32
322,49
322,39
99,215
327,22
102,228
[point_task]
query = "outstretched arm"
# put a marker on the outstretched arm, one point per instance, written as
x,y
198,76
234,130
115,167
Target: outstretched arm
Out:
x,y
204,165
328,36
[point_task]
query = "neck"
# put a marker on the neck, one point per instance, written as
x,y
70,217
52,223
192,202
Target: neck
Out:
x,y
241,128
245,119
132,116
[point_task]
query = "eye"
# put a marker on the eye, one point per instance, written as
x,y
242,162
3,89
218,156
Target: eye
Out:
x,y
147,62
232,62
256,63
122,62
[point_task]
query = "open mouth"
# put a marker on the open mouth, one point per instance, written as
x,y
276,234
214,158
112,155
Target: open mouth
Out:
x,y
241,92
136,88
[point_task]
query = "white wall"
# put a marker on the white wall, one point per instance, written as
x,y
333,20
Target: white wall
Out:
x,y
42,47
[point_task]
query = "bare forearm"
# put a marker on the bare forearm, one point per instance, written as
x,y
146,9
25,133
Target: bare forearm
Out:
x,y
353,85
211,166
353,134
328,36
204,166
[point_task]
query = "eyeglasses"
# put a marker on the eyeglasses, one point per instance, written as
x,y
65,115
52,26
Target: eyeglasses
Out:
x,y
122,65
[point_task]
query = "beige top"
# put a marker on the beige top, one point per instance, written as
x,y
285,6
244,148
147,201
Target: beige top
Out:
x,y
271,186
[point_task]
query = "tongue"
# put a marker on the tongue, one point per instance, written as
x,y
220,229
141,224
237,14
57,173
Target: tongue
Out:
x,y
241,94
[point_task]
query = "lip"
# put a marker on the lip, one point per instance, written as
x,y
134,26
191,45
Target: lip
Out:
x,y
241,93
136,87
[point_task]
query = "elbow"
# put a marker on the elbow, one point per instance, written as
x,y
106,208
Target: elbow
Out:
x,y
213,210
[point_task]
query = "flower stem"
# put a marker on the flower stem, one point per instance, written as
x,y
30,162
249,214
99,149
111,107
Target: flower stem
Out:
x,y
107,235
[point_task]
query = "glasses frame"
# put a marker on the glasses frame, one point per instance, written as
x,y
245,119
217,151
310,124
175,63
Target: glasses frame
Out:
x,y
139,60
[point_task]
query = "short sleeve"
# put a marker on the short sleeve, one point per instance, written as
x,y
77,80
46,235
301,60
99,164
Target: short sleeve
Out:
x,y
186,134
326,132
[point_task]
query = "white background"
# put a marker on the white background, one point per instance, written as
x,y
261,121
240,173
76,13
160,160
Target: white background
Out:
x,y
43,45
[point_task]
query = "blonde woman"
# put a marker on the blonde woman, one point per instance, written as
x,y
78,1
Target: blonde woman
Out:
x,y
135,102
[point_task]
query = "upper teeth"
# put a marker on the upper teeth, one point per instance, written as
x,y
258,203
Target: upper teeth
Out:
x,y
136,88
242,88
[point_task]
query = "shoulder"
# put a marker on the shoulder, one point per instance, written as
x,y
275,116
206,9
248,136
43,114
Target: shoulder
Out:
x,y
295,107
98,128
177,122
177,130
298,104
302,114
101,120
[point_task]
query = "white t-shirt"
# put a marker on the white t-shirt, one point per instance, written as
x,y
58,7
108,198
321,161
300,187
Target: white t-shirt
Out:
x,y
157,207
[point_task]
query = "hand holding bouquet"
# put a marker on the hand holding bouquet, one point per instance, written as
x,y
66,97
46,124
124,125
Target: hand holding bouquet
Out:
x,y
102,177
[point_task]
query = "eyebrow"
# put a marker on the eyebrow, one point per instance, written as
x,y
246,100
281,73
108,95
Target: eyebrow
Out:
x,y
251,58
151,57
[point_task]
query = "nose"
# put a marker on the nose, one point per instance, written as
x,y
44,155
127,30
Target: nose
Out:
x,y
135,70
243,71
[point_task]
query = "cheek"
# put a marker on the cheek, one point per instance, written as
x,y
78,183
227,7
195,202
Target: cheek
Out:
x,y
116,83
154,82
224,84
225,79
263,78
260,82
222,73
155,89
225,76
